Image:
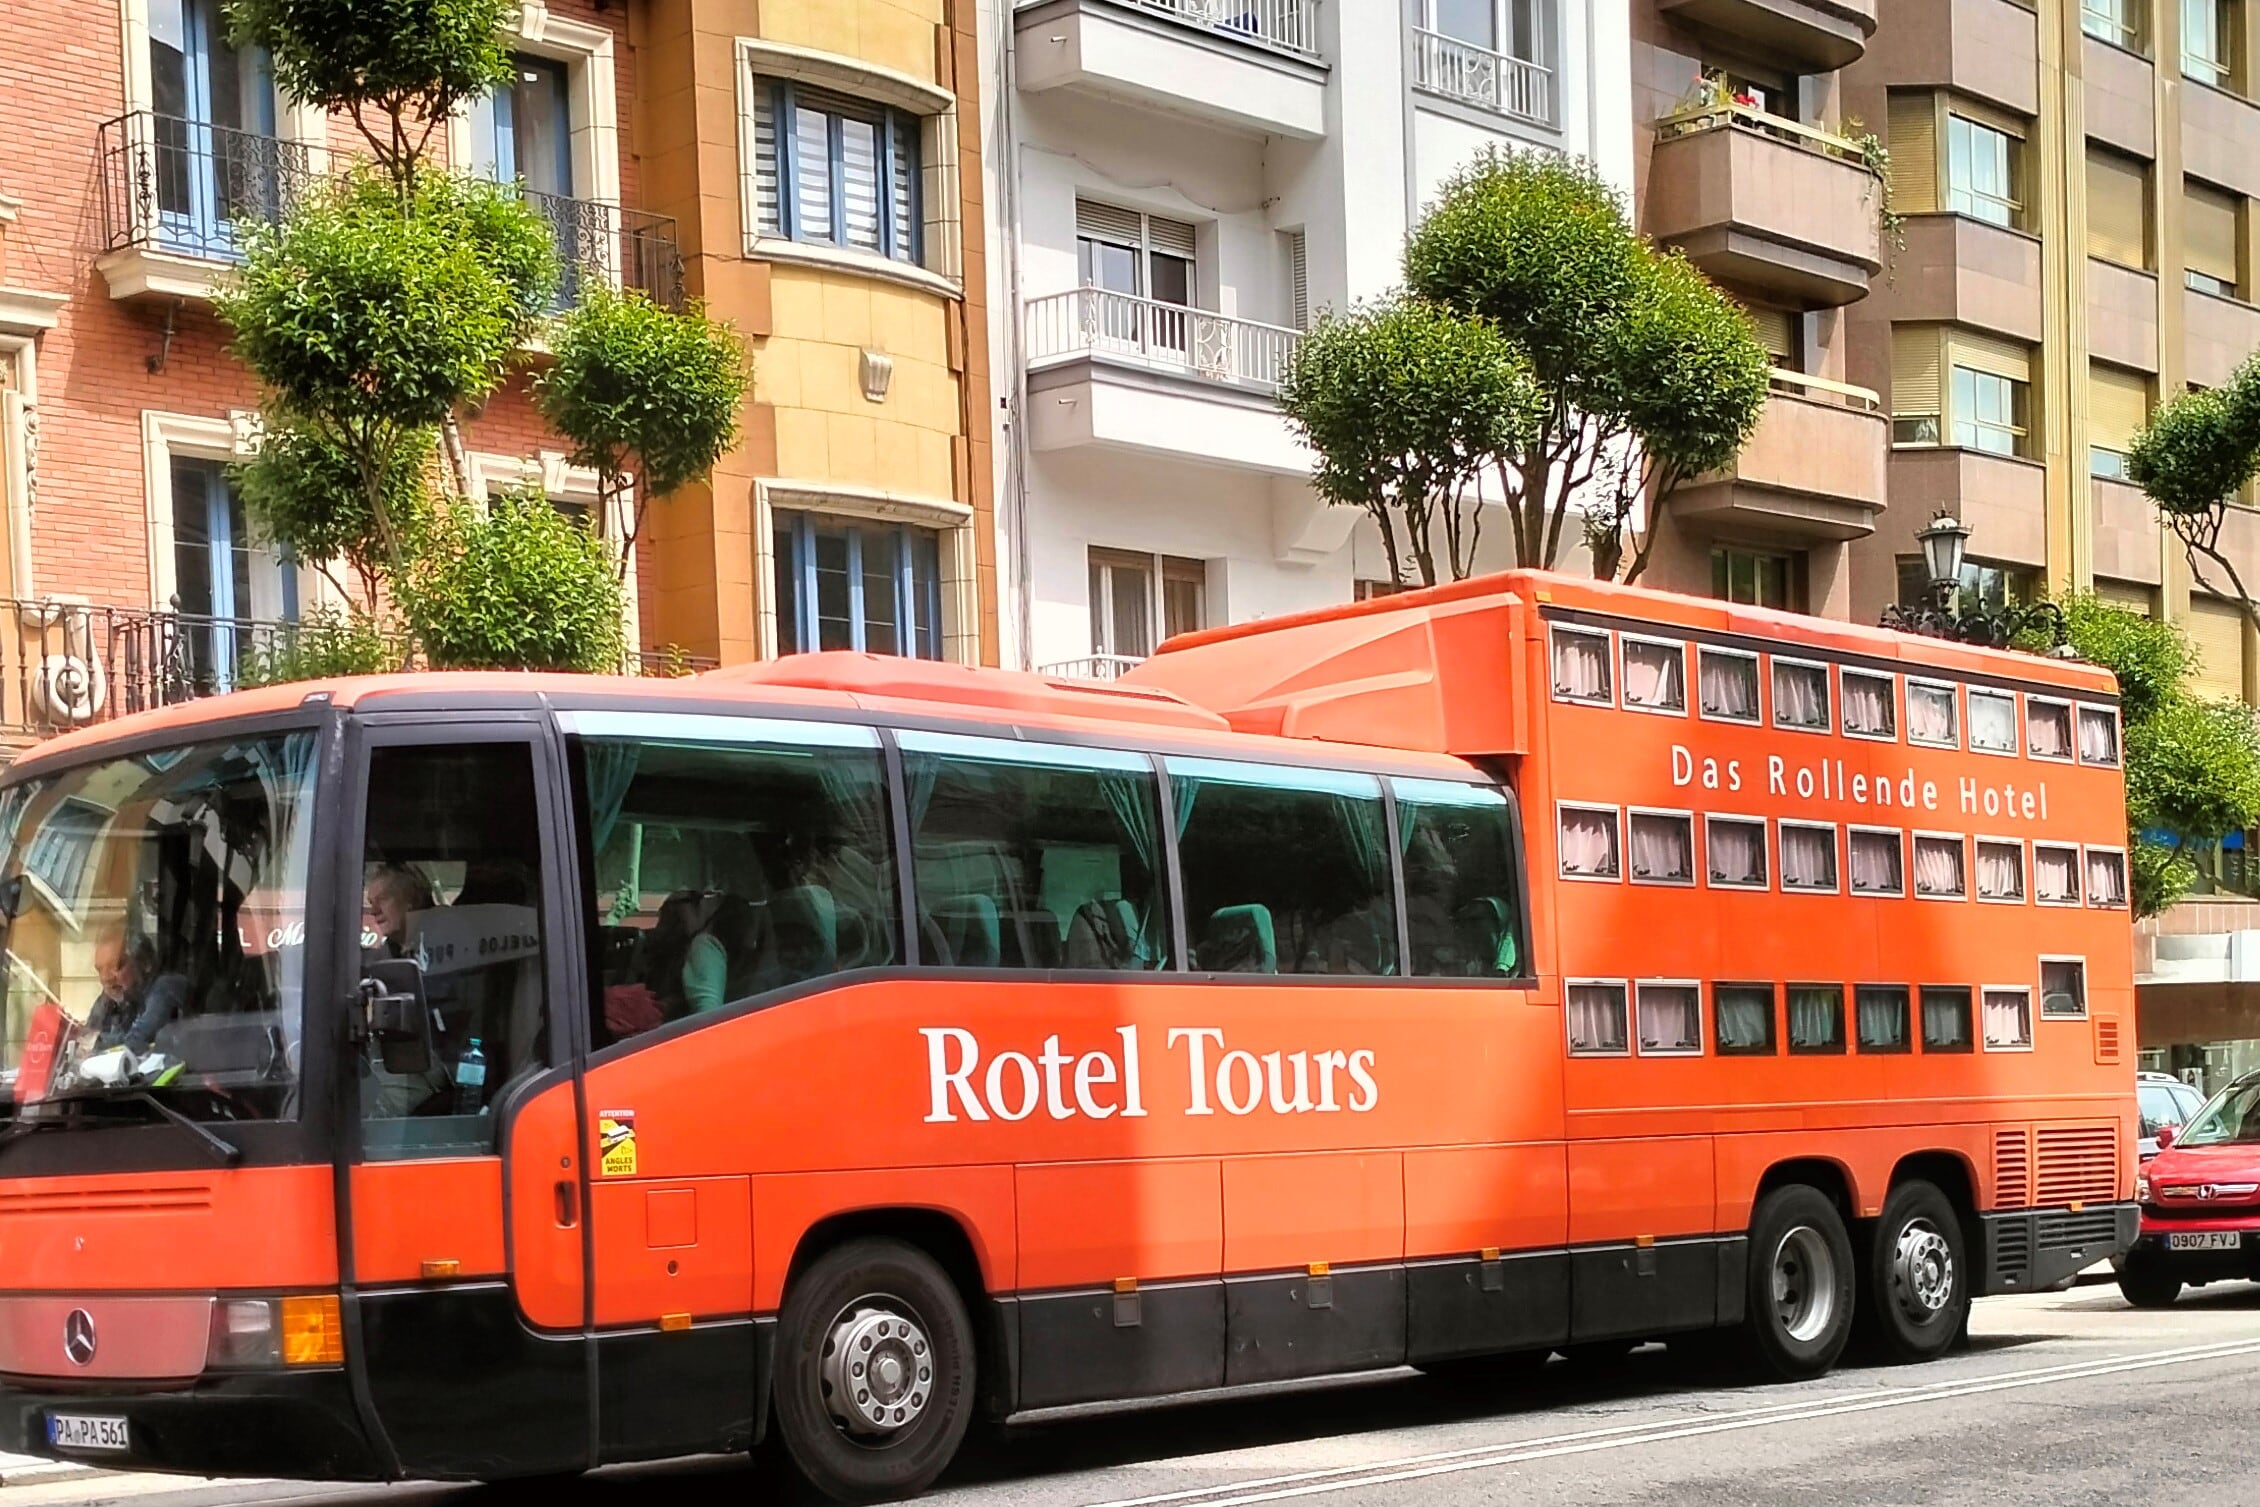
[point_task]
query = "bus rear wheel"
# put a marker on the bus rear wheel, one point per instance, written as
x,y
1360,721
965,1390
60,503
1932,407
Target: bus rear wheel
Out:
x,y
1918,1274
874,1376
1798,1310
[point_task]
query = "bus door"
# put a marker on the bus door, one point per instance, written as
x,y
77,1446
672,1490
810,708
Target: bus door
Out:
x,y
465,1246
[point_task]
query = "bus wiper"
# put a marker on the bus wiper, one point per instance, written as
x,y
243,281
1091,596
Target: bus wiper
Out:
x,y
224,1151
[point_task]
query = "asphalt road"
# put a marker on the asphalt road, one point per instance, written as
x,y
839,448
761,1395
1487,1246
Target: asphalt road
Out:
x,y
2068,1398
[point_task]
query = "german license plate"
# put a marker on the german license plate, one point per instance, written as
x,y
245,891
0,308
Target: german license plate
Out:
x,y
2205,1240
86,1431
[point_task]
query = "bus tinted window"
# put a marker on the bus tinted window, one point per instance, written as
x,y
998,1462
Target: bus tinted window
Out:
x,y
1463,912
733,856
1286,870
1034,856
1946,1018
1816,1018
1882,1010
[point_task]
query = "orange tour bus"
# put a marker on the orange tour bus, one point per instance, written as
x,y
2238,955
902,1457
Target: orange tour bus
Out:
x,y
477,1076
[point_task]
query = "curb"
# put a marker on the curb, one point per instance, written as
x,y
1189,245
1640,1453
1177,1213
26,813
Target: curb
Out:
x,y
40,1472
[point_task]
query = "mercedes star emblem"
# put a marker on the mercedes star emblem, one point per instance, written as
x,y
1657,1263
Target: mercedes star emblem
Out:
x,y
78,1337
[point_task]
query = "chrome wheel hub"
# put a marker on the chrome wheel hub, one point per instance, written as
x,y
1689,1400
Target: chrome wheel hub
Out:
x,y
1922,1270
877,1370
1804,1284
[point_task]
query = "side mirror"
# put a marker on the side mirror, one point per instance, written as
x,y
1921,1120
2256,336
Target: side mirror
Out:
x,y
392,1012
2166,1134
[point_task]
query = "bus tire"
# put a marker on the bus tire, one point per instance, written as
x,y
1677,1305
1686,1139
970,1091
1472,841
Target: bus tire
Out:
x,y
1918,1274
2147,1286
874,1375
1798,1312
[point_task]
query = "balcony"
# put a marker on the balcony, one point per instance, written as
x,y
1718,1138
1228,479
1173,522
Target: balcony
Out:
x,y
2004,498
2218,129
1812,470
2121,97
1246,65
1125,373
1095,667
1987,49
2218,335
2122,315
2126,532
1956,270
600,244
1811,36
1766,203
178,197
1498,82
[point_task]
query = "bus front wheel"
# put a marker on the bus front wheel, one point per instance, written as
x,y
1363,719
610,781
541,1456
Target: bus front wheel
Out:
x,y
874,1375
1798,1311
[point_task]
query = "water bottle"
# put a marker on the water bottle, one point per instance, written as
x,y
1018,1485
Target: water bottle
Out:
x,y
471,1080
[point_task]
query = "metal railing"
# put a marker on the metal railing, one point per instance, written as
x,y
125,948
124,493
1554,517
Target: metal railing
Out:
x,y
190,187
604,243
1822,390
1290,25
1716,115
1170,337
1476,75
1096,667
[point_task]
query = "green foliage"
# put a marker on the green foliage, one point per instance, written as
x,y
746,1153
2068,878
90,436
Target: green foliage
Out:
x,y
325,645
2151,657
515,587
2157,877
2200,449
1686,366
636,385
2193,769
303,494
1405,404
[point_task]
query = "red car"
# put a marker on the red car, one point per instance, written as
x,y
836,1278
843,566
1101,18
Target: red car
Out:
x,y
2200,1201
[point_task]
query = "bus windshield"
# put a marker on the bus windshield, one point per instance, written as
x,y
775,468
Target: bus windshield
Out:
x,y
154,917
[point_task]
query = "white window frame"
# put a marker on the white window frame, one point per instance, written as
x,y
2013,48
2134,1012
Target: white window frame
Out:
x,y
1827,724
2040,988
1953,692
2079,875
2071,730
2032,1018
953,520
1890,681
1897,835
1757,717
1693,858
1615,815
1157,581
1781,873
1623,987
1969,730
1961,840
1556,632
2118,735
1978,843
1625,641
591,93
1692,986
1765,852
2087,889
228,440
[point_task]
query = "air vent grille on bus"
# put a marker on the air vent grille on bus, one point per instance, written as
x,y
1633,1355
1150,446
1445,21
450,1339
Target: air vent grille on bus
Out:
x,y
2106,1039
2077,1162
192,1198
2012,1248
2012,1169
2088,1227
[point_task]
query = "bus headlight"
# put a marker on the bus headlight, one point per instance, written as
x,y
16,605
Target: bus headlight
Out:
x,y
265,1333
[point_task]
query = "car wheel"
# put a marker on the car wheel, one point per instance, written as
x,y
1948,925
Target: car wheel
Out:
x,y
1798,1311
2147,1286
874,1382
1918,1290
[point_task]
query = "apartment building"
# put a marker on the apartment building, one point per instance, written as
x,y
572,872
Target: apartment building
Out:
x,y
1177,186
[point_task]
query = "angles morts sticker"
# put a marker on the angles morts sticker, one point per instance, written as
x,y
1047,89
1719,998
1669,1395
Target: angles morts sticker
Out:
x,y
616,1142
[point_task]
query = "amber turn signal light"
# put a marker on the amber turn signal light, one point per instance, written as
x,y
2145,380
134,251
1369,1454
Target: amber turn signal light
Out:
x,y
312,1334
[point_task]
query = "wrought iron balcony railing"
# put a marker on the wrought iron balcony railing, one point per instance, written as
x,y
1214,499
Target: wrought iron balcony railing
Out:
x,y
189,187
604,243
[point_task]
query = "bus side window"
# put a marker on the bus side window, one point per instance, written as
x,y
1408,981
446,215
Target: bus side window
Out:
x,y
1029,855
1463,909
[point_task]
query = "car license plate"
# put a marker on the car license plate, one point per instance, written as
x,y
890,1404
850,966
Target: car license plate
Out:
x,y
2205,1240
86,1431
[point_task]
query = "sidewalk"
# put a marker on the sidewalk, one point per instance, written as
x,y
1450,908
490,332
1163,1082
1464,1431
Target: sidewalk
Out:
x,y
27,1470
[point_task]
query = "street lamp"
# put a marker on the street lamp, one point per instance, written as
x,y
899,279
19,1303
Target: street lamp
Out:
x,y
1945,544
1945,540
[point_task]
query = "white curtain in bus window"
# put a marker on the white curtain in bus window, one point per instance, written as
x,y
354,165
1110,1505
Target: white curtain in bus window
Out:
x,y
1930,715
1671,1018
1589,842
2063,987
2099,736
1946,1019
1663,848
1808,857
1876,864
1938,866
1868,709
1596,1020
2008,1019
1993,721
1581,665
1737,850
1745,1019
1882,1013
2000,870
2048,729
1816,1018
2106,878
1800,695
1655,676
2055,874
1729,685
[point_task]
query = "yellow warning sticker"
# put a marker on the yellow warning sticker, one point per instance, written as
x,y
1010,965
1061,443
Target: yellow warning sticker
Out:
x,y
616,1142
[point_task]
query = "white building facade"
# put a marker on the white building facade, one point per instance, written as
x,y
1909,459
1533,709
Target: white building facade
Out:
x,y
1176,187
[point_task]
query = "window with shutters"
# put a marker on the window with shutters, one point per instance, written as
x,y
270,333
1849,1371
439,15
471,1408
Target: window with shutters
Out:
x,y
2216,629
2209,41
1142,267
2118,405
1778,331
1989,394
1913,127
1918,397
835,171
2118,208
1983,171
2212,240
1298,278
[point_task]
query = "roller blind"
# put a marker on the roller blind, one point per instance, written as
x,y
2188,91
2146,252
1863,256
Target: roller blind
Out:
x,y
2118,209
2125,594
1105,222
1298,277
2209,233
2118,405
2217,629
1916,384
1173,237
1990,353
1913,129
1777,332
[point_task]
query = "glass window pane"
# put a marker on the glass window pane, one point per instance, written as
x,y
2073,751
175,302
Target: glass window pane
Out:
x,y
1467,20
1130,606
882,586
1280,879
542,125
1946,1019
1744,1019
1173,280
1882,1012
859,183
790,639
835,613
1462,908
1816,1018
926,592
812,175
